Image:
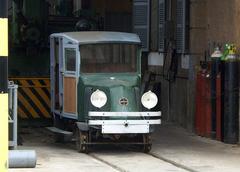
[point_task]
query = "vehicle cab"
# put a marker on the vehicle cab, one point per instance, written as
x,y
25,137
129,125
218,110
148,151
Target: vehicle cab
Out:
x,y
96,88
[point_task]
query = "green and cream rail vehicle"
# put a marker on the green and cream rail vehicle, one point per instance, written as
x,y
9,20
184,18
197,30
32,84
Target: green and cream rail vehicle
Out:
x,y
96,89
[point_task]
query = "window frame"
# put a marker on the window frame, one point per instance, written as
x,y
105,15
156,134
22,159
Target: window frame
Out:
x,y
68,72
137,56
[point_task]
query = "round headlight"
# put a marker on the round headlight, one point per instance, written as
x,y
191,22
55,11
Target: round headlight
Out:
x,y
98,99
149,100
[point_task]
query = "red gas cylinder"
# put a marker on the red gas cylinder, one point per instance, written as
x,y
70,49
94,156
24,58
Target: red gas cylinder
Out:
x,y
203,104
218,108
199,101
207,106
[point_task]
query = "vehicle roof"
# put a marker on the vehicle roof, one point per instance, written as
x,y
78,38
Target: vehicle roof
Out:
x,y
99,37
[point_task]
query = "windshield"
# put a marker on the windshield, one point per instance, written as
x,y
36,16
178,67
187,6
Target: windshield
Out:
x,y
108,58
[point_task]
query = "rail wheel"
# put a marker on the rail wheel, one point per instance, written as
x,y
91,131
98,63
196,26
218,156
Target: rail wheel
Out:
x,y
82,140
147,143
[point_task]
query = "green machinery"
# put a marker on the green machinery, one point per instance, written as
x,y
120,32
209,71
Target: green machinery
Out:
x,y
31,23
28,39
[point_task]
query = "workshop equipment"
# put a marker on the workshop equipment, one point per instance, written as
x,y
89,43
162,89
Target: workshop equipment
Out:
x,y
203,103
218,107
22,159
215,71
231,97
199,102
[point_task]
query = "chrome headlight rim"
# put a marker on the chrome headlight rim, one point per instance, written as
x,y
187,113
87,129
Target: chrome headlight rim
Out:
x,y
149,99
98,98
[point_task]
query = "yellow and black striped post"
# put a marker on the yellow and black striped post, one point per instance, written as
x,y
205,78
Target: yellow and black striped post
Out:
x,y
3,85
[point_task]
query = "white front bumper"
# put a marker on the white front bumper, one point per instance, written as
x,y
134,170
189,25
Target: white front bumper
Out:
x,y
131,126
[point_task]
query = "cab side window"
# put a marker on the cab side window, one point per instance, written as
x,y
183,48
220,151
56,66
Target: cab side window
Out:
x,y
70,59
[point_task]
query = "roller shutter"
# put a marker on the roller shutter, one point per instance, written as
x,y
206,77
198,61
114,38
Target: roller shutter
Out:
x,y
161,22
141,21
181,26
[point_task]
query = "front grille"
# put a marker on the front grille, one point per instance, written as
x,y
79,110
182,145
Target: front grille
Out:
x,y
123,101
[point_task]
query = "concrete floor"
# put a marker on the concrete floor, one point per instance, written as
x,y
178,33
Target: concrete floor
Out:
x,y
173,150
196,153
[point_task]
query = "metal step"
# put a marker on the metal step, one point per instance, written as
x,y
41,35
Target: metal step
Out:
x,y
59,131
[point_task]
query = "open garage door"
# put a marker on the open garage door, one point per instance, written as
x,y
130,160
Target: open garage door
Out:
x,y
141,11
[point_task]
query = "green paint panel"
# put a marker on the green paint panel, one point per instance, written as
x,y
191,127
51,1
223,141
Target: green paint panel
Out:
x,y
115,86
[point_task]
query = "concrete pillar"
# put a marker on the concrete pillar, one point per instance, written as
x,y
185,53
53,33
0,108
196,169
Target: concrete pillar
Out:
x,y
3,85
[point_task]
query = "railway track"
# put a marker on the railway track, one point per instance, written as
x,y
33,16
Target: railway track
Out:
x,y
126,164
107,163
116,158
127,159
123,158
